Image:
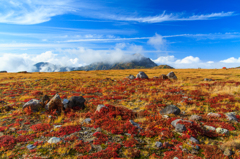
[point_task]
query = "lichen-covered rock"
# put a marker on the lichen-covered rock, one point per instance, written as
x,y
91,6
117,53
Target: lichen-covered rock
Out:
x,y
54,140
231,116
34,104
76,101
54,104
131,77
210,128
222,131
170,109
142,75
171,75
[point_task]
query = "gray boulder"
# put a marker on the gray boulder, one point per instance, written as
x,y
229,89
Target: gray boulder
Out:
x,y
76,101
54,140
131,77
142,75
34,104
171,75
231,116
170,109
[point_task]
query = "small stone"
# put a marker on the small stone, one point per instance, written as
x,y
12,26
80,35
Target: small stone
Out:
x,y
170,109
100,106
214,115
131,77
171,75
194,140
180,128
210,128
222,131
158,144
228,152
31,146
54,140
135,124
195,117
87,120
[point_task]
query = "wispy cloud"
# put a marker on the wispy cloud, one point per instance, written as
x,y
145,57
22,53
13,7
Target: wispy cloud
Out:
x,y
170,17
33,12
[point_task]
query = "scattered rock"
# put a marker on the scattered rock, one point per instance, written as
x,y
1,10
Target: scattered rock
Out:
x,y
207,79
170,109
135,124
192,139
195,117
222,131
231,116
163,76
228,152
54,140
34,104
171,75
76,101
210,128
44,100
180,128
142,75
31,146
65,103
54,104
100,106
214,115
131,77
158,144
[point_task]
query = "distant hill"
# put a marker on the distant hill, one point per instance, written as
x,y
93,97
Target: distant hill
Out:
x,y
163,67
138,62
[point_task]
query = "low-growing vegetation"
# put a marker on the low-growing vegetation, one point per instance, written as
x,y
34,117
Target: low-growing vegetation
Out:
x,y
130,124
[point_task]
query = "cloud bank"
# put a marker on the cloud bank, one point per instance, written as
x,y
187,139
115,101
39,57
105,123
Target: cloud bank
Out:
x,y
121,52
195,62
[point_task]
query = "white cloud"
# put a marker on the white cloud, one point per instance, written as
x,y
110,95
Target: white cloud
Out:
x,y
157,41
231,60
170,17
188,60
33,12
195,62
164,59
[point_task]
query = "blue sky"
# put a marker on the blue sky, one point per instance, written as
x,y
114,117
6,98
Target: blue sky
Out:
x,y
183,34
